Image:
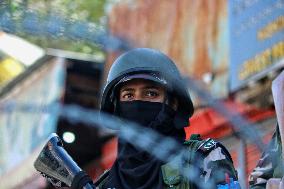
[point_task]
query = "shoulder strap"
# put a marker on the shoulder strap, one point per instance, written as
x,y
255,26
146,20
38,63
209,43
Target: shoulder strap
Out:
x,y
194,144
101,180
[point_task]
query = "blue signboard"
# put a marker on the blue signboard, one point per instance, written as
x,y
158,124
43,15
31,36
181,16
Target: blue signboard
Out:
x,y
256,38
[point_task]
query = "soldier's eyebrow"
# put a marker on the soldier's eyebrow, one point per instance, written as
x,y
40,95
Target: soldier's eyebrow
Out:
x,y
126,89
153,86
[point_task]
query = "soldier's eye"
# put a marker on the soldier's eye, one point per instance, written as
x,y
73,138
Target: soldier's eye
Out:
x,y
152,93
127,96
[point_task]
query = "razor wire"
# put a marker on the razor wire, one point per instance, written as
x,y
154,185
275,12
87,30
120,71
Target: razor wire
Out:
x,y
241,127
144,138
57,26
161,147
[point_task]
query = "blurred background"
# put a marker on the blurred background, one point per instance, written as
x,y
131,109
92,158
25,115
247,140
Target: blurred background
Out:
x,y
59,51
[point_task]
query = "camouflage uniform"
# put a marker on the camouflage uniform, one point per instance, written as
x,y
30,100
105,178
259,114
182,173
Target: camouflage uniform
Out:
x,y
269,165
212,160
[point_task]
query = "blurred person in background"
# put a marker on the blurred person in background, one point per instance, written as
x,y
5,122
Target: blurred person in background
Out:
x,y
270,165
145,86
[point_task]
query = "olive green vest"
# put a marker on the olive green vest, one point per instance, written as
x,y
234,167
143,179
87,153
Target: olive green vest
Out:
x,y
172,176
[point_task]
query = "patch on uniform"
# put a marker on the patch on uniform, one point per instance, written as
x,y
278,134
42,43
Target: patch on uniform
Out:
x,y
208,145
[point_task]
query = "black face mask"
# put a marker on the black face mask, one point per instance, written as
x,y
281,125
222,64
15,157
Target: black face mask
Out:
x,y
135,168
155,115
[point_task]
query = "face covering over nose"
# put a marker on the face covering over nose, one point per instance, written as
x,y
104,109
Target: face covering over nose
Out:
x,y
135,168
154,115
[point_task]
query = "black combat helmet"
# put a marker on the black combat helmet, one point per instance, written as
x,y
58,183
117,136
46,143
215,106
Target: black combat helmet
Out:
x,y
152,65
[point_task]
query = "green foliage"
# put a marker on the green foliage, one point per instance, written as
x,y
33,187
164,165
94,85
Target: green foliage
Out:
x,y
85,10
91,11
